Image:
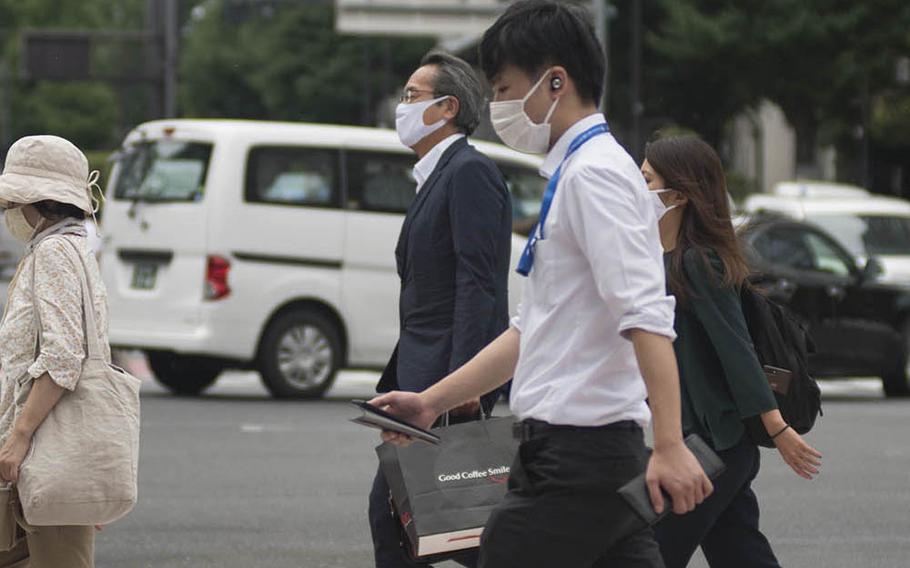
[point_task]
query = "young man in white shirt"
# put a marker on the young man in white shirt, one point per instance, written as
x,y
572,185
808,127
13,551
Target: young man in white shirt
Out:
x,y
594,336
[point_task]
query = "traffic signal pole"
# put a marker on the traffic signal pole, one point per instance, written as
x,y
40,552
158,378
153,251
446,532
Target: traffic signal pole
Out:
x,y
170,59
602,11
163,55
6,102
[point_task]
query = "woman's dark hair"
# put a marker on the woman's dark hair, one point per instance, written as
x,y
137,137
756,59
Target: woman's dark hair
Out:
x,y
692,167
56,211
535,34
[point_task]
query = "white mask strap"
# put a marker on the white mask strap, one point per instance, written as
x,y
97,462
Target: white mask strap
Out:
x,y
536,85
550,112
546,119
96,196
659,191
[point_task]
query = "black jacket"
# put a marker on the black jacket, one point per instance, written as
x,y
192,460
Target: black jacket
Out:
x,y
453,259
722,379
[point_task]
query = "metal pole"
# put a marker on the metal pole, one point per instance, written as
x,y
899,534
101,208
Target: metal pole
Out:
x,y
153,64
865,158
635,54
599,13
170,58
6,101
610,14
386,77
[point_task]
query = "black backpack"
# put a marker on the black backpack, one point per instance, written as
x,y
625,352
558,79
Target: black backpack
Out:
x,y
782,341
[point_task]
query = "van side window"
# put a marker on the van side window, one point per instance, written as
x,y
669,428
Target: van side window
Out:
x,y
527,188
292,176
382,182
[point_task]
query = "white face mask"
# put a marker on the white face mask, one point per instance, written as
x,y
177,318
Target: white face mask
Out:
x,y
409,121
515,127
660,209
17,225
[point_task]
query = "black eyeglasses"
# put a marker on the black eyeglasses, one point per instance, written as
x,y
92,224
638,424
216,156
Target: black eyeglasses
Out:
x,y
408,96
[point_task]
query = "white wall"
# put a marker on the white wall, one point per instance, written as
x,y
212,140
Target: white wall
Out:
x,y
763,146
440,18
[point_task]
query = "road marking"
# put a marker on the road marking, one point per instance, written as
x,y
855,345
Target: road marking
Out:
x,y
859,387
251,428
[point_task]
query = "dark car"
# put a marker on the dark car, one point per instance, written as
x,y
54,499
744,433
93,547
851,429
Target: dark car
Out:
x,y
860,325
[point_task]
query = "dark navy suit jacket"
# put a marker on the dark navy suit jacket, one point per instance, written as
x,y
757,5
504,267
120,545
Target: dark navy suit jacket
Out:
x,y
453,258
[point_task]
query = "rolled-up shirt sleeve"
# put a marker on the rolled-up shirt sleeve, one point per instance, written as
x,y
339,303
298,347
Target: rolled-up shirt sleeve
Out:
x,y
611,227
516,320
58,305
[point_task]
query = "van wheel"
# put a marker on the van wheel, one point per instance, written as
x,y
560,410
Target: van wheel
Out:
x,y
181,374
896,380
300,355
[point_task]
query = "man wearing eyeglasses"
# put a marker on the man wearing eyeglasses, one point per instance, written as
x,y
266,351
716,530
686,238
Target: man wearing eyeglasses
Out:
x,y
453,257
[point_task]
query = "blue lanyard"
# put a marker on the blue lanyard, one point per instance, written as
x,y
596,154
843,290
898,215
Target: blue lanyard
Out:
x,y
527,257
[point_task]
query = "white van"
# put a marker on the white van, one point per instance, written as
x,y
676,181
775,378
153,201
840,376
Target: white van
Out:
x,y
266,246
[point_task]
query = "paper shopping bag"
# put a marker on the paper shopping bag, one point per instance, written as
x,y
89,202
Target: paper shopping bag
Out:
x,y
444,494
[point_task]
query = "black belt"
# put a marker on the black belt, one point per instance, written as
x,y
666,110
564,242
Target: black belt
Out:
x,y
530,428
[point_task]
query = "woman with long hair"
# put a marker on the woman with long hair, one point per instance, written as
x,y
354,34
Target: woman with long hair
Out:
x,y
722,379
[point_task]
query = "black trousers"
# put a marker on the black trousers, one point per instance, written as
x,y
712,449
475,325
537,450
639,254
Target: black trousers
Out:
x,y
562,509
726,524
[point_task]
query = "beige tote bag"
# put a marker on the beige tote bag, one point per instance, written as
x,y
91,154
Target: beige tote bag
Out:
x,y
82,467
9,528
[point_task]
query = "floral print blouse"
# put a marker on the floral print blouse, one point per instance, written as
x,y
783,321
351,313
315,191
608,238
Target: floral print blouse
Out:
x,y
54,266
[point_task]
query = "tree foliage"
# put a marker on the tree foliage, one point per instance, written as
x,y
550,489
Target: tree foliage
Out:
x,y
85,112
821,61
829,64
289,64
699,66
890,125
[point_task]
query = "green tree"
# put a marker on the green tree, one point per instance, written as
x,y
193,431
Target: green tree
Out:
x,y
85,112
289,65
696,71
890,124
821,61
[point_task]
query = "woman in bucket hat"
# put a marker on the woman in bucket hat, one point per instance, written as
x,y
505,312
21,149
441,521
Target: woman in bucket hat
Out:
x,y
46,191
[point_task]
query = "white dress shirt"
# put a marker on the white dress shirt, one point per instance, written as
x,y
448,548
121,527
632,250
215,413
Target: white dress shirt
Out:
x,y
598,274
427,164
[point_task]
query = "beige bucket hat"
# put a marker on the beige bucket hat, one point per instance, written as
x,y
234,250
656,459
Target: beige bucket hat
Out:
x,y
40,168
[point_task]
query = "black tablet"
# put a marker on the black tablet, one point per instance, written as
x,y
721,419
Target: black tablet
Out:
x,y
377,418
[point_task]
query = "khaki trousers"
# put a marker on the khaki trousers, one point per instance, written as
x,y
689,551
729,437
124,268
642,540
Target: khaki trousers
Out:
x,y
53,547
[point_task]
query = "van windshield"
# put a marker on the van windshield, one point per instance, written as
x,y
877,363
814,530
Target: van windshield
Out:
x,y
163,170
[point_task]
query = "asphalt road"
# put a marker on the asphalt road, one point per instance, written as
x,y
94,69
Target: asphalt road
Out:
x,y
234,479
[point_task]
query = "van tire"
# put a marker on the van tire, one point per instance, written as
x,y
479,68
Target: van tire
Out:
x,y
300,354
182,374
896,379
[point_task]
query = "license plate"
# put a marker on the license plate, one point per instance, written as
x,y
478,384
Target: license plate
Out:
x,y
144,276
